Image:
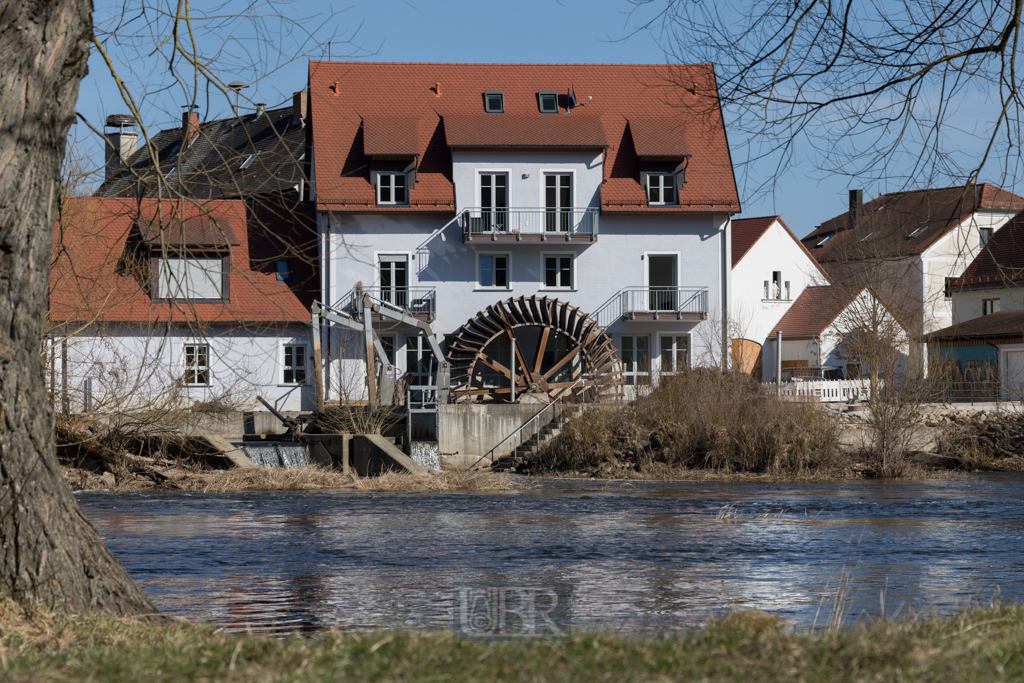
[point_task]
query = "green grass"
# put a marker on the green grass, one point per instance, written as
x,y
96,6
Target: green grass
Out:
x,y
979,645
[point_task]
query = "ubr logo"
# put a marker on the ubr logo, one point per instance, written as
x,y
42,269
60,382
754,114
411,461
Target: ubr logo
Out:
x,y
513,612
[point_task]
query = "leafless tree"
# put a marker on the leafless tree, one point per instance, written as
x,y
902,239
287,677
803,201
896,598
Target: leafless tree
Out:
x,y
51,553
869,90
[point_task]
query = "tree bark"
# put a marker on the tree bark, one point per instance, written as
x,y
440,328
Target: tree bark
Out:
x,y
50,552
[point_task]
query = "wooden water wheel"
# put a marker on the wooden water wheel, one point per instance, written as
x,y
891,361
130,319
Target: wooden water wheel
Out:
x,y
558,350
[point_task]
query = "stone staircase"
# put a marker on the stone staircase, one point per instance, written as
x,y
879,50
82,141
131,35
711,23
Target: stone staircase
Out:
x,y
532,445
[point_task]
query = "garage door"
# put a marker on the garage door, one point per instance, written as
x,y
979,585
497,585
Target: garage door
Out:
x,y
1013,376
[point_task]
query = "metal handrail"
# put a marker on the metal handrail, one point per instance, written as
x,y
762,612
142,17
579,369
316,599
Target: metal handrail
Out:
x,y
567,221
522,427
415,300
660,300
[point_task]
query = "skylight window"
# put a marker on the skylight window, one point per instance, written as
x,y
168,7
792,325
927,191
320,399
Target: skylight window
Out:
x,y
868,236
173,171
548,102
247,162
494,102
917,232
822,243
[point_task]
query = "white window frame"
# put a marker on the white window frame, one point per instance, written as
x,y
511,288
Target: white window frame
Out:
x,y
508,272
990,306
630,377
507,172
194,373
689,351
675,189
380,184
543,271
283,354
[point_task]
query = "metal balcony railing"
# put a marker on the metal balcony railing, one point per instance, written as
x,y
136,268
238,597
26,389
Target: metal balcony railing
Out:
x,y
530,222
418,301
664,300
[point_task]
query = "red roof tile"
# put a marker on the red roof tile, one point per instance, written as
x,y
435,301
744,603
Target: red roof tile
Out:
x,y
889,221
500,130
387,136
815,309
664,138
90,281
344,94
198,231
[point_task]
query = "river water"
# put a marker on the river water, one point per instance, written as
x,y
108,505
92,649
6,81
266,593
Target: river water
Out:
x,y
641,556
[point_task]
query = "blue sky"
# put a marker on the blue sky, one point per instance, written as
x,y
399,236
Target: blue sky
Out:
x,y
436,31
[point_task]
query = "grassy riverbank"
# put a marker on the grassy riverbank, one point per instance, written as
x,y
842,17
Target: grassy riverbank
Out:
x,y
309,478
982,645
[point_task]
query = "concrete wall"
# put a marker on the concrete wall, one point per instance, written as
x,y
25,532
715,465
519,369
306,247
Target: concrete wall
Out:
x,y
143,366
472,430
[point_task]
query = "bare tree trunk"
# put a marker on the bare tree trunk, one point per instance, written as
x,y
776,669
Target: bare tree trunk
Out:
x,y
50,552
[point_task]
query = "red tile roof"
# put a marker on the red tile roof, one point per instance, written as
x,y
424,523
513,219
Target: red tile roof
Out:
x,y
747,231
1001,324
91,281
999,264
502,130
198,231
665,138
815,309
388,136
888,222
344,95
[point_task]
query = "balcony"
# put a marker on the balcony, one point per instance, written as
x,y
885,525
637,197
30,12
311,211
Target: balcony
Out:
x,y
419,302
530,225
655,303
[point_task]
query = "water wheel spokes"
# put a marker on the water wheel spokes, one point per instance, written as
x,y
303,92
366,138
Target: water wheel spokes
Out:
x,y
535,346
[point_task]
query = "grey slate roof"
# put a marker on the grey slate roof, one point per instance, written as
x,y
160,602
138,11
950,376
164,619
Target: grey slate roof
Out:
x,y
209,167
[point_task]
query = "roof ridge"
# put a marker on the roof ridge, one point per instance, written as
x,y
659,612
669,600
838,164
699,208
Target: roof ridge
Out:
x,y
630,64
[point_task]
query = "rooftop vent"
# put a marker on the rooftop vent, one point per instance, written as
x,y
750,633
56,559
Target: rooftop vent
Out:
x,y
494,102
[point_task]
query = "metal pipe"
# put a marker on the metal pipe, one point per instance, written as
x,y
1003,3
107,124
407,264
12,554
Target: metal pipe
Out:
x,y
778,361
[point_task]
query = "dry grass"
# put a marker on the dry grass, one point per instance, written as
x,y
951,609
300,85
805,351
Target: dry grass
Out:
x,y
976,645
438,482
698,420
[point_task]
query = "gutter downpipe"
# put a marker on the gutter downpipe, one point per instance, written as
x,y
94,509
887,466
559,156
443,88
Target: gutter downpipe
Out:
x,y
726,281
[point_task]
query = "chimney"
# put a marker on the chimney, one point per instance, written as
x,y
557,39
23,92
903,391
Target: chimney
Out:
x,y
437,89
120,144
260,108
299,100
856,207
189,123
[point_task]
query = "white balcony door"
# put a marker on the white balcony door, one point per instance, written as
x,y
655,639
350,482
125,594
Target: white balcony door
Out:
x,y
558,202
494,200
394,279
661,283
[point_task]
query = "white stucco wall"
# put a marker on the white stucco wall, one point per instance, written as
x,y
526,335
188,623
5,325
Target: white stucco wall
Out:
x,y
968,305
141,366
753,316
527,192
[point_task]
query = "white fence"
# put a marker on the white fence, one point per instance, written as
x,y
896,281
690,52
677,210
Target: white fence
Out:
x,y
824,391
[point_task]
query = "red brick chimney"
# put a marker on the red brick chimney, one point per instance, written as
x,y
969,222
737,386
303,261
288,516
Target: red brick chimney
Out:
x,y
189,123
299,105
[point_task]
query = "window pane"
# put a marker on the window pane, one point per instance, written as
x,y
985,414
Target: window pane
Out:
x,y
653,191
486,272
550,273
385,191
643,359
566,268
669,191
501,271
399,189
500,194
667,355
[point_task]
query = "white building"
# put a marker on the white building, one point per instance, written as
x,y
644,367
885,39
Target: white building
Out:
x,y
165,304
905,244
770,270
450,188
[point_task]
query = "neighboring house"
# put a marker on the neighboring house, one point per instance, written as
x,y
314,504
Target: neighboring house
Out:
x,y
245,156
905,244
160,304
448,189
770,270
986,341
821,328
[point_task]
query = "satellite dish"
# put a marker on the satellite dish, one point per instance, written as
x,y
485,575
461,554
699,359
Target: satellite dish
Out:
x,y
237,85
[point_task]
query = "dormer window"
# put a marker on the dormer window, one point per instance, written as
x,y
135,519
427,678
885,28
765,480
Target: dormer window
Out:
x,y
284,272
494,102
661,188
391,188
548,102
